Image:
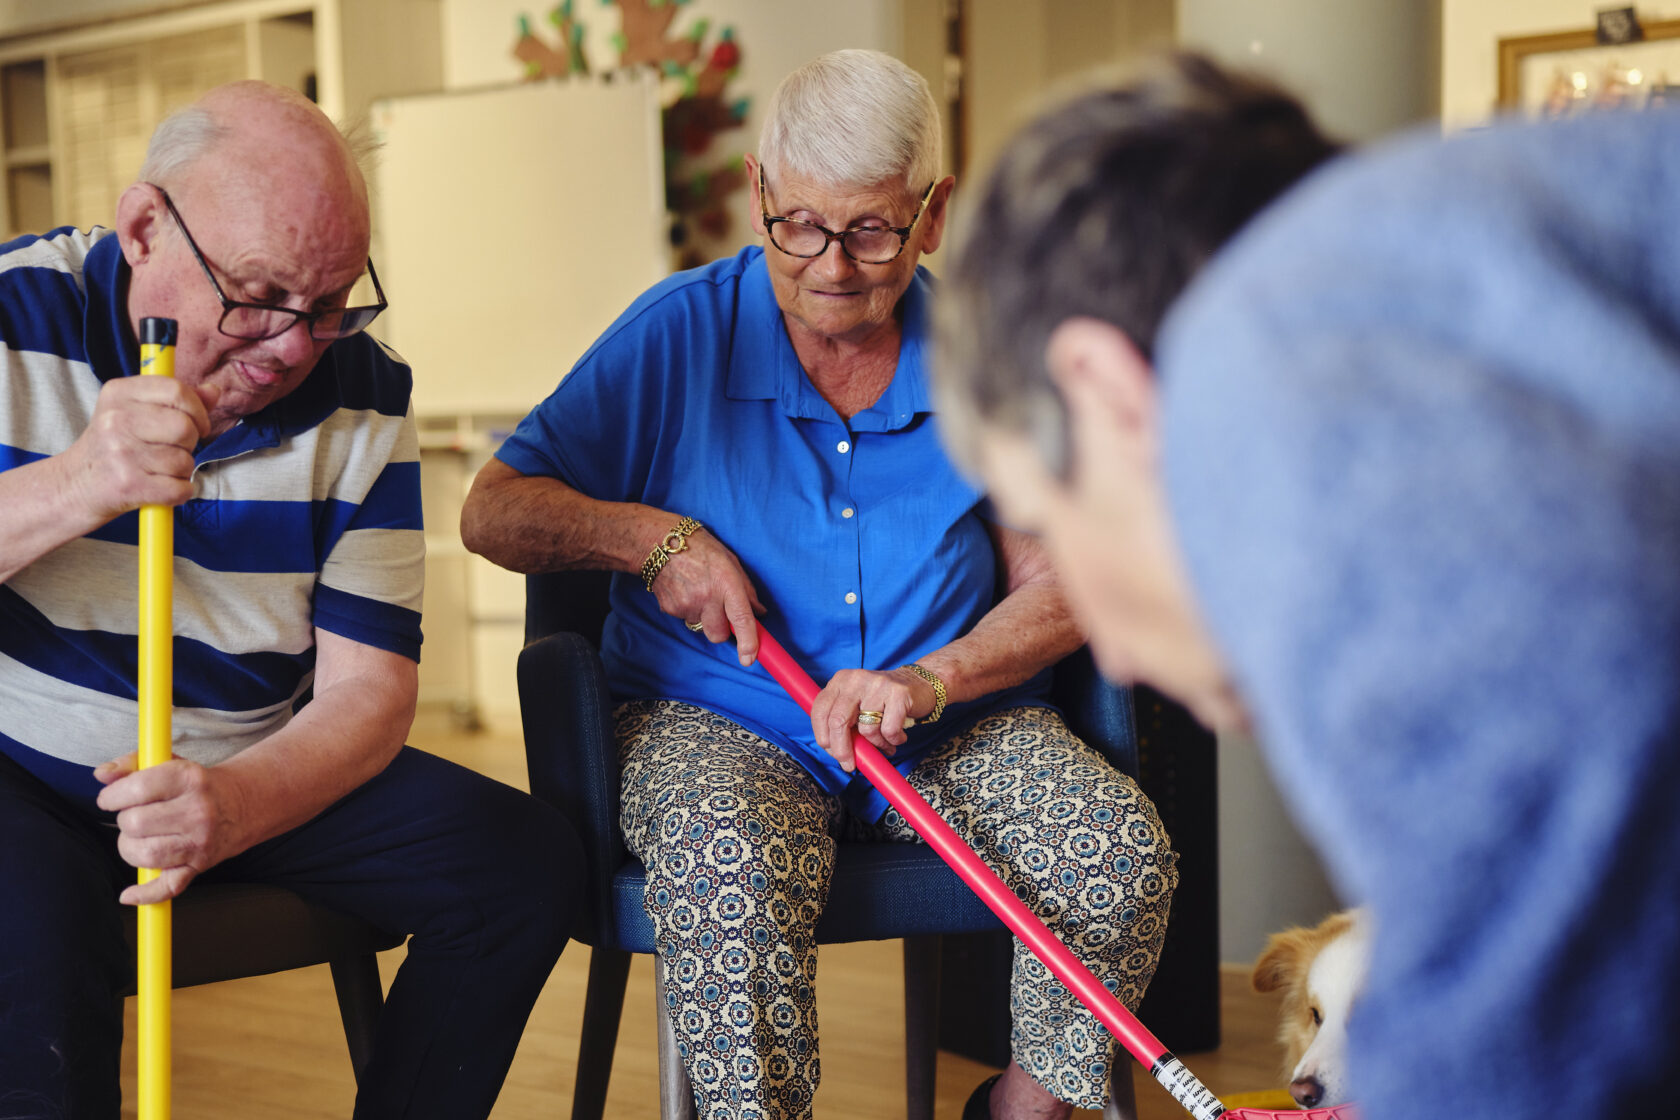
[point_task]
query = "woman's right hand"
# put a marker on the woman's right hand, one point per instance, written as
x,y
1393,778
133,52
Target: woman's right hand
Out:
x,y
705,584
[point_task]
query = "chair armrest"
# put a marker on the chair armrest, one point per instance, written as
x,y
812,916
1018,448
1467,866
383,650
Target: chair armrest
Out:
x,y
571,757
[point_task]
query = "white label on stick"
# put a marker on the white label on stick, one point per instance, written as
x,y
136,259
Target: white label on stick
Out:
x,y
1184,1087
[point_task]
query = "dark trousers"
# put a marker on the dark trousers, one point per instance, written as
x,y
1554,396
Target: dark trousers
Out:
x,y
482,876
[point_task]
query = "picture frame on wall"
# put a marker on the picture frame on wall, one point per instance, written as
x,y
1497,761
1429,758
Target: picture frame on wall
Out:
x,y
1564,73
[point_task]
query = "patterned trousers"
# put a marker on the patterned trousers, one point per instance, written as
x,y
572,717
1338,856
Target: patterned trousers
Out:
x,y
739,844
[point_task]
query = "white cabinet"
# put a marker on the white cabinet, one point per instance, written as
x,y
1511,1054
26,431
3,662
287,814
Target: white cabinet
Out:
x,y
474,615
79,103
27,184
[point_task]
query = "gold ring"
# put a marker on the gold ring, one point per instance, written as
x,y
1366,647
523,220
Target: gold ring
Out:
x,y
695,626
870,718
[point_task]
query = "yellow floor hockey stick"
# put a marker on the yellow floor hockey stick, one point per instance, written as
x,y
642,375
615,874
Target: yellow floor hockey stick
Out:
x,y
155,682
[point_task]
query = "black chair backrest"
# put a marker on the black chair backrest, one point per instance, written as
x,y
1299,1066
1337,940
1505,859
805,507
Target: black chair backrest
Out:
x,y
574,602
1099,712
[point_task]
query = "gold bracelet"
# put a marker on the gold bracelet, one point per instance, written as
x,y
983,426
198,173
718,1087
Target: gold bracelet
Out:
x,y
938,692
672,543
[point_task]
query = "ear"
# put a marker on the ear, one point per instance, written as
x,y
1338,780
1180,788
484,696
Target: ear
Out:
x,y
1096,366
141,219
755,204
1276,964
938,209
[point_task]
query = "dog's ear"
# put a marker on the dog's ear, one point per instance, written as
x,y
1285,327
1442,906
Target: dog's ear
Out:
x,y
1337,924
1279,961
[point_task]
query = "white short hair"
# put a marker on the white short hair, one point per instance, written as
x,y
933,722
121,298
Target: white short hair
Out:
x,y
853,118
193,131
180,140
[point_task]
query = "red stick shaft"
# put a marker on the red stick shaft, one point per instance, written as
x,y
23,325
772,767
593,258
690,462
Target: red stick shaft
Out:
x,y
1026,925
1022,922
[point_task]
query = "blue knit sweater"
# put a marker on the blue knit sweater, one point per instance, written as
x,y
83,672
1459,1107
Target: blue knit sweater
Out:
x,y
1422,428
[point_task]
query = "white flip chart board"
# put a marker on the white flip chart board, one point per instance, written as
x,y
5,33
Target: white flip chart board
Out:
x,y
512,225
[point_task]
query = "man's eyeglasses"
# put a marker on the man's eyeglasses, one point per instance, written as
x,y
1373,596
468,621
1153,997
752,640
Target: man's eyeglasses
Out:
x,y
864,244
257,321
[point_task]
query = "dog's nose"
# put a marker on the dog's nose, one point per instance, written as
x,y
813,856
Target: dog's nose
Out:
x,y
1306,1091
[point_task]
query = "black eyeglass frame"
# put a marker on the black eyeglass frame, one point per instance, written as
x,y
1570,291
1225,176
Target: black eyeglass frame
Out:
x,y
363,316
771,220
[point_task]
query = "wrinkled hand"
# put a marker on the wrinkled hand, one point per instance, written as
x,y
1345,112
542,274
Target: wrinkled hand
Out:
x,y
138,448
178,817
705,583
900,696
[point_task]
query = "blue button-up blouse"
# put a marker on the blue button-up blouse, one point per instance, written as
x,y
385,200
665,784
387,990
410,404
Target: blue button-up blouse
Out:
x,y
863,540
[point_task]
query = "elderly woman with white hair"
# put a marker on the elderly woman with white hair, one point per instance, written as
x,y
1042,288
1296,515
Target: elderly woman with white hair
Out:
x,y
754,438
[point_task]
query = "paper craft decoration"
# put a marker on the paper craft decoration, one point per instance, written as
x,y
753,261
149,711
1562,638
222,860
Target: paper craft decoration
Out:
x,y
643,41
544,61
697,184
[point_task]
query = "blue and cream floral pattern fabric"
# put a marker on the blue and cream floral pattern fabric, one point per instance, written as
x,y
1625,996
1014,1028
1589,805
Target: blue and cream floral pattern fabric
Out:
x,y
739,844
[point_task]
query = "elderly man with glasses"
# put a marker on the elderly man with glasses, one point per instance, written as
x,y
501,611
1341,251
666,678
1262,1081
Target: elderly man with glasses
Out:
x,y
287,447
754,438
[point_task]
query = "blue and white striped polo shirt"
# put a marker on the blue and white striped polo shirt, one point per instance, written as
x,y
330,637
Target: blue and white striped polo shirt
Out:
x,y
304,515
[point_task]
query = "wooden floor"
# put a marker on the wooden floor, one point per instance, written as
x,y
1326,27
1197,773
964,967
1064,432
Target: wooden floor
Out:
x,y
271,1048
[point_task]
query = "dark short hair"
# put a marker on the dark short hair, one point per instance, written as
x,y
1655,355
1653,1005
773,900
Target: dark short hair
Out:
x,y
1105,206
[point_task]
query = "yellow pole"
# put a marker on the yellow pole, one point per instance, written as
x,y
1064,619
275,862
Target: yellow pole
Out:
x,y
156,688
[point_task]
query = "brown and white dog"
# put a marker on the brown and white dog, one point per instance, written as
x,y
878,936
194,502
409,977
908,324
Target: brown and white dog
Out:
x,y
1320,972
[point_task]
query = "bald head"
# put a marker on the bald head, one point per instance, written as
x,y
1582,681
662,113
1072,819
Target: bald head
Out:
x,y
278,216
254,136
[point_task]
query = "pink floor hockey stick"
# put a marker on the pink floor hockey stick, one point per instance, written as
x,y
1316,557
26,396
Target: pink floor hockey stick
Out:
x,y
1022,922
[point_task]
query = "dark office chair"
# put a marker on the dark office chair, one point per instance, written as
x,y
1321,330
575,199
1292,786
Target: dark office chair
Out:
x,y
879,890
227,931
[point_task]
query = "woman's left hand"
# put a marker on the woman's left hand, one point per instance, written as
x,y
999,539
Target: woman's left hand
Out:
x,y
897,697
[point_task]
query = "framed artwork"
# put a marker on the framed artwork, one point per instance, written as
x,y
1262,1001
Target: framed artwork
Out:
x,y
1563,73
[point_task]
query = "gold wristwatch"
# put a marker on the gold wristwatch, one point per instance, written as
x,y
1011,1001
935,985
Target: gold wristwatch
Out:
x,y
938,692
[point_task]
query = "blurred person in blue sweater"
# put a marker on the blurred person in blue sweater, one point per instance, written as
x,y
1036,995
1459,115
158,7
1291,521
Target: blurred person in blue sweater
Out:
x,y
1396,483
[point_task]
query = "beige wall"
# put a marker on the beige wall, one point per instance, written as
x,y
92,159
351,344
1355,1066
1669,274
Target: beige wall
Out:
x,y
408,58
1365,67
1470,34
1021,51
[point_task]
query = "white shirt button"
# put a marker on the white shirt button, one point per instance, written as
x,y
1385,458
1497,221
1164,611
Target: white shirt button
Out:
x,y
843,446
847,512
851,596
